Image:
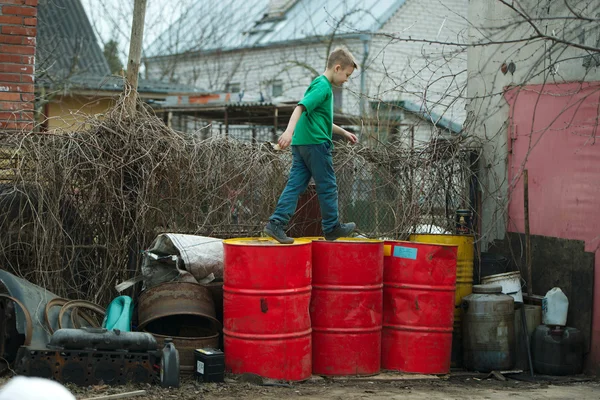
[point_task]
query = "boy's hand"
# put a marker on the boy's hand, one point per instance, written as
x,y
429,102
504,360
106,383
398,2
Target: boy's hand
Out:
x,y
351,137
285,139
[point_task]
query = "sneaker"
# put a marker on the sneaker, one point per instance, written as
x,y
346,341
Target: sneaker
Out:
x,y
275,230
342,230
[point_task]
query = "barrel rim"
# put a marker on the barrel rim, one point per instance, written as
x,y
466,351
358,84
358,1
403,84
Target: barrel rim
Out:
x,y
443,234
493,278
215,323
268,242
320,239
190,338
229,333
389,242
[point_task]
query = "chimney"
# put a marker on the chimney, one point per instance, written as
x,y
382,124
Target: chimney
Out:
x,y
278,8
18,21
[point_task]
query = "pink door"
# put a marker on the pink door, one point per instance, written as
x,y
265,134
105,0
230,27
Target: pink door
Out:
x,y
554,133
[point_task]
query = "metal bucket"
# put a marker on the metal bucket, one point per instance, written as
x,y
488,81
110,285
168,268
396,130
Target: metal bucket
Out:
x,y
510,282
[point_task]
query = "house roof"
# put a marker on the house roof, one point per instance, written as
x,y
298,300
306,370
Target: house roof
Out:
x,y
68,56
433,117
111,83
233,24
418,110
66,43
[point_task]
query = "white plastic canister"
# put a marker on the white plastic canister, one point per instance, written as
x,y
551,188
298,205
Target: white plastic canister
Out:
x,y
555,306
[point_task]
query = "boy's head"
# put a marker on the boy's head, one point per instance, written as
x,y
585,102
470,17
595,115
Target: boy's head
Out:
x,y
341,63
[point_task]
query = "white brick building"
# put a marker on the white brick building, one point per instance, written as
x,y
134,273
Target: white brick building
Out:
x,y
272,49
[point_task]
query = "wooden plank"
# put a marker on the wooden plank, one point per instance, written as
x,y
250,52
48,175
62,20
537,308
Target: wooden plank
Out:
x,y
119,395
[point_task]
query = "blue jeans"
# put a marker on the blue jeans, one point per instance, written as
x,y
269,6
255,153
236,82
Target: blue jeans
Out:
x,y
310,160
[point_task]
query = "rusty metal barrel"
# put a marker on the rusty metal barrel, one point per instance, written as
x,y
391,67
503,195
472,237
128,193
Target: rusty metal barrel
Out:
x,y
266,295
346,306
184,312
418,307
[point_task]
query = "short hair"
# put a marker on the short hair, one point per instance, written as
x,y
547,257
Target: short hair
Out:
x,y
341,56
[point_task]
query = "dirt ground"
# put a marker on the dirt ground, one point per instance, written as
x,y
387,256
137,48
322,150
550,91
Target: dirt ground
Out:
x,y
455,387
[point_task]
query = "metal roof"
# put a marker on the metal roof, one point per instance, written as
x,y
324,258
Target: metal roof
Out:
x,y
112,83
69,57
233,24
440,121
420,111
66,43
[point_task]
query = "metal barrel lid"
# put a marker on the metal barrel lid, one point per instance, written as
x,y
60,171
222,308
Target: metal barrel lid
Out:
x,y
489,289
263,241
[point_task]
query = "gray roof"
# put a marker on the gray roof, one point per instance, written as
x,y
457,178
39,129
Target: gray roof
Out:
x,y
233,24
439,120
420,111
66,43
113,83
69,57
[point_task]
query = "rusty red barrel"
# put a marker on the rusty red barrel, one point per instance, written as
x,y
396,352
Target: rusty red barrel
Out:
x,y
418,306
346,306
266,297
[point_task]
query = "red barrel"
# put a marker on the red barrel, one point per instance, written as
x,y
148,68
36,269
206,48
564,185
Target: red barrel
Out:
x,y
346,305
266,296
418,307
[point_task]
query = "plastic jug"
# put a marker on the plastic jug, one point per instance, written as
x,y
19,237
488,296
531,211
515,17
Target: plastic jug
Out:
x,y
118,314
555,306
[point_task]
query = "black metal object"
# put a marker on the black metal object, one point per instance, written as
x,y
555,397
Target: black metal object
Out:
x,y
10,338
85,367
102,339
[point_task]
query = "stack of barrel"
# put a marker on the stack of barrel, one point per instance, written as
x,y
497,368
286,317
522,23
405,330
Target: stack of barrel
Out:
x,y
364,311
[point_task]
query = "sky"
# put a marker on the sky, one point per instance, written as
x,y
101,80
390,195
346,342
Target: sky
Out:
x,y
111,19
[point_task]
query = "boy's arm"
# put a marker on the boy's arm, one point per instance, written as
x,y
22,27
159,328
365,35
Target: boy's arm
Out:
x,y
348,135
286,138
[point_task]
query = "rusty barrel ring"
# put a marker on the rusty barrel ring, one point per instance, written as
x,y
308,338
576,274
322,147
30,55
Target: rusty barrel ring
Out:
x,y
152,299
82,304
28,321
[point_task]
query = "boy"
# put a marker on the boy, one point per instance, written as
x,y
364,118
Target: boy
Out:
x,y
310,134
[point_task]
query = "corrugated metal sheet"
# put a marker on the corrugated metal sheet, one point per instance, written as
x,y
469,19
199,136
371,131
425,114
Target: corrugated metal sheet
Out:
x,y
231,24
69,56
112,83
66,44
554,133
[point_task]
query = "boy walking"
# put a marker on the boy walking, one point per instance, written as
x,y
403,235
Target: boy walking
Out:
x,y
310,134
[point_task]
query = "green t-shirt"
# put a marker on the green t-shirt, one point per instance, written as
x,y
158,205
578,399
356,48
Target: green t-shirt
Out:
x,y
315,125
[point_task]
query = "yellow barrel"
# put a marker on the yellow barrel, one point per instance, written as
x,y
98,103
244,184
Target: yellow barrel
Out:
x,y
464,279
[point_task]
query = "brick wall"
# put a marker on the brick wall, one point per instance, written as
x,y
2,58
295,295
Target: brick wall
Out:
x,y
18,20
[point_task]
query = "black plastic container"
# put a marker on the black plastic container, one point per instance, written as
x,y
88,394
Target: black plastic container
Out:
x,y
210,365
557,351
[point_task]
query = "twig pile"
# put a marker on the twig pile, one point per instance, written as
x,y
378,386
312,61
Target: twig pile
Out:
x,y
85,203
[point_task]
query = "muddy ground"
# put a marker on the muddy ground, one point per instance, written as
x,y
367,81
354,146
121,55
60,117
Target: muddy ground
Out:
x,y
454,387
